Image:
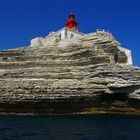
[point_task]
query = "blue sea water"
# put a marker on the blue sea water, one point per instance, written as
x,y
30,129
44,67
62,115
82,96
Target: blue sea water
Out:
x,y
87,127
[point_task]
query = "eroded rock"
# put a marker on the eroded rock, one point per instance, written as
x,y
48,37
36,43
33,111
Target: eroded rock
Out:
x,y
69,76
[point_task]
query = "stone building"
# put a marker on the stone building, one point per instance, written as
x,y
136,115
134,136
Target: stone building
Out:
x,y
66,33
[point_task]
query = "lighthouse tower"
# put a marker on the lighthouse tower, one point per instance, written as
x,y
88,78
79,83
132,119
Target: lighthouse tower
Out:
x,y
69,31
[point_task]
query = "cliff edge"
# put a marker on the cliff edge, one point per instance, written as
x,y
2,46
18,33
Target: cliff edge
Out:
x,y
87,74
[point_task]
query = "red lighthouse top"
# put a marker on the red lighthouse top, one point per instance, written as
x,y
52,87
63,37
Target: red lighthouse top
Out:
x,y
72,23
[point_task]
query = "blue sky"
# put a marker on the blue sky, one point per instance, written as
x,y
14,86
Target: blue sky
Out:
x,y
22,20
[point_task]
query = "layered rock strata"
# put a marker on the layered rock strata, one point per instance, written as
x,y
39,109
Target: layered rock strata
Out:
x,y
88,74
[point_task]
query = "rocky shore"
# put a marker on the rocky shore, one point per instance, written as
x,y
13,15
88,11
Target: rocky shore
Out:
x,y
88,74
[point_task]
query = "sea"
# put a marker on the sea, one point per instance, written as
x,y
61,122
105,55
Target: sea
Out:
x,y
70,127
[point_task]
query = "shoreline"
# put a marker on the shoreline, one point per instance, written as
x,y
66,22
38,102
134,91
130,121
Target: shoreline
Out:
x,y
71,114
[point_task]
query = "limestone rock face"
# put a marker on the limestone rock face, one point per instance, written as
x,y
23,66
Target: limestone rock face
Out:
x,y
86,74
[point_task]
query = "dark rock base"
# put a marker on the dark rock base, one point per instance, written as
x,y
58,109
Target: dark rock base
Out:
x,y
59,107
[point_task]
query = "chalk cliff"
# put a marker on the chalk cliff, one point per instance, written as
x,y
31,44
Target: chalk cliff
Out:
x,y
87,74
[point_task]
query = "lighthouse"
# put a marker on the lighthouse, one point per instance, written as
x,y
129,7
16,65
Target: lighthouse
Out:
x,y
72,23
70,30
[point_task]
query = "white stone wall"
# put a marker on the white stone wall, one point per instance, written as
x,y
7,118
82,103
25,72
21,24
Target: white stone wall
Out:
x,y
72,34
62,34
128,54
35,42
67,34
55,37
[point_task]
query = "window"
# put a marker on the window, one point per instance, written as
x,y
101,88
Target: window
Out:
x,y
71,35
60,36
